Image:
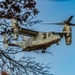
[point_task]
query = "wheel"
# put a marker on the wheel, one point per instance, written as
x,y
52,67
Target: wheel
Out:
x,y
43,51
28,48
57,43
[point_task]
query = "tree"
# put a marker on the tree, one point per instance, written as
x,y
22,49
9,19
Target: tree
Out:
x,y
4,73
24,11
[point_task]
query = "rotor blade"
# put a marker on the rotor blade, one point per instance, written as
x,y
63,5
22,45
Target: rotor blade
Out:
x,y
70,18
54,23
59,0
71,24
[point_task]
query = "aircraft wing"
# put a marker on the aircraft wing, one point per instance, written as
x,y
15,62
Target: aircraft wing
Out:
x,y
70,18
28,32
60,33
54,23
10,44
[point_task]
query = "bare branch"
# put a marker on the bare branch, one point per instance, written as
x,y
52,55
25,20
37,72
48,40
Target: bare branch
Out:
x,y
25,65
24,11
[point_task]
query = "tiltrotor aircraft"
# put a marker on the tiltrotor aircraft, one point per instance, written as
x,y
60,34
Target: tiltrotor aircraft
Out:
x,y
40,40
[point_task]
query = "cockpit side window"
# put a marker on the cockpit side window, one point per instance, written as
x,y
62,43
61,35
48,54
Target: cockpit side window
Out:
x,y
44,35
49,34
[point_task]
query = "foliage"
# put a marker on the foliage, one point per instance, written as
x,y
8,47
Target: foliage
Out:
x,y
24,11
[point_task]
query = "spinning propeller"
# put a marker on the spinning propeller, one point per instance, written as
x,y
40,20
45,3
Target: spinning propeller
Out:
x,y
59,0
67,22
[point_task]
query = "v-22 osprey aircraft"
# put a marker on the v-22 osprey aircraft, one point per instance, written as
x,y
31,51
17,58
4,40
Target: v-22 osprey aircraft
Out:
x,y
40,40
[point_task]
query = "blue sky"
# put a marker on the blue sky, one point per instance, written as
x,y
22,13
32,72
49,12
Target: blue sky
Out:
x,y
63,59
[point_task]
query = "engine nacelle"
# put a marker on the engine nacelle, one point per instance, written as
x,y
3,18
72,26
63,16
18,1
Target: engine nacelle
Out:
x,y
68,39
68,36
